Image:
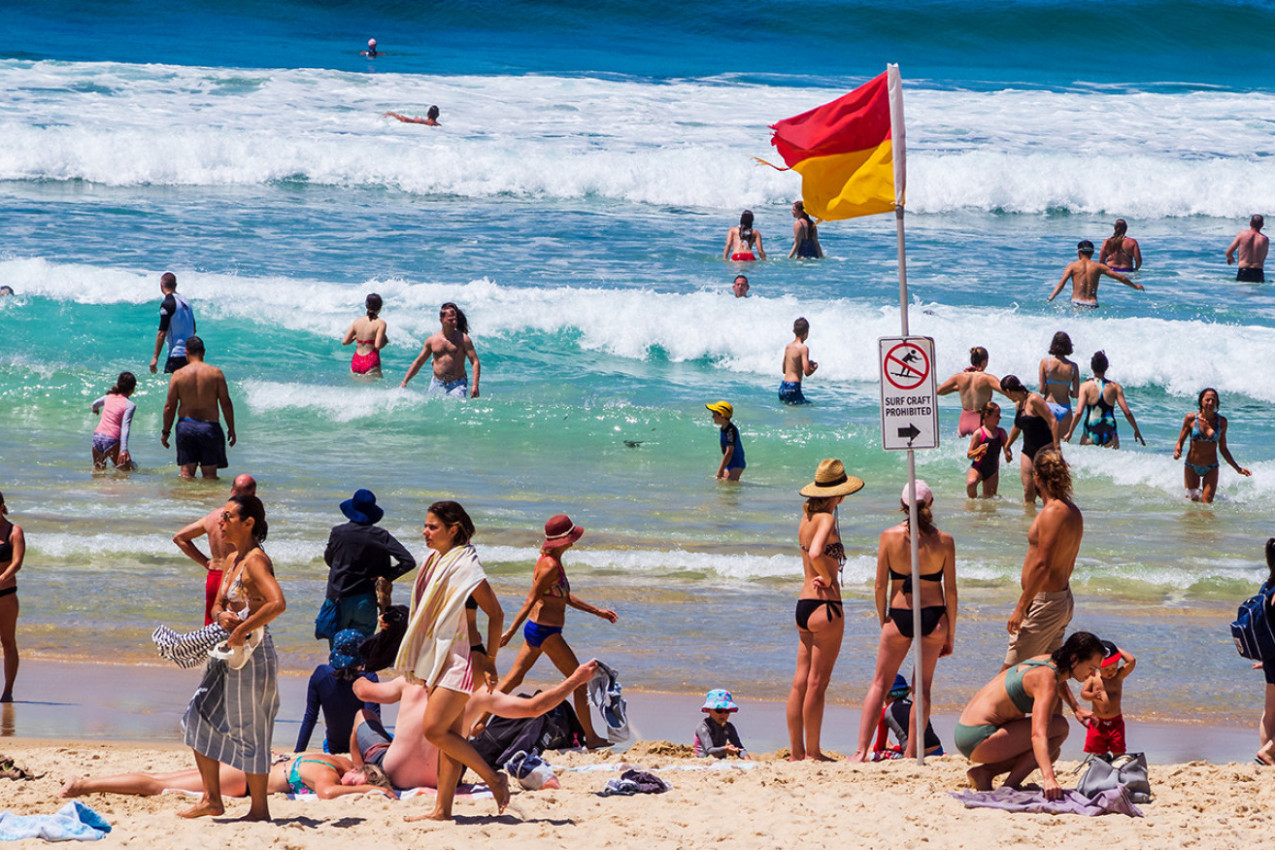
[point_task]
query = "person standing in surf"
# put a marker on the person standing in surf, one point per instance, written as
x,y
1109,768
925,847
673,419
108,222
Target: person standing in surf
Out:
x,y
369,334
1119,251
449,348
975,387
1207,430
805,236
743,244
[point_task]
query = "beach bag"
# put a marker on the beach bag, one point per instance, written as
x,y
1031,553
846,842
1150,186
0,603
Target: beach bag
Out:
x,y
328,621
1252,629
504,737
1106,772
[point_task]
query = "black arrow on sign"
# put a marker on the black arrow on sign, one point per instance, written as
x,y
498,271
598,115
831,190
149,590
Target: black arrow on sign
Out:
x,y
911,432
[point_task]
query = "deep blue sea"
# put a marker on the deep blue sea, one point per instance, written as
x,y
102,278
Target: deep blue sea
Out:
x,y
574,202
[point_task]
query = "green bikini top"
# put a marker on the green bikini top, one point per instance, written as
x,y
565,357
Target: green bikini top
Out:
x,y
1014,684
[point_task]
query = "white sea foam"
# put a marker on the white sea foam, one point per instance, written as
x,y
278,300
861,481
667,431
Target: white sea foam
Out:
x,y
685,143
632,323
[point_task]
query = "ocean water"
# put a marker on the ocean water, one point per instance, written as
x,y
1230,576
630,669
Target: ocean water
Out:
x,y
574,203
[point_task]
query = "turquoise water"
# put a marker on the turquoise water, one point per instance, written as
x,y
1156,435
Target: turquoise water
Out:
x,y
574,204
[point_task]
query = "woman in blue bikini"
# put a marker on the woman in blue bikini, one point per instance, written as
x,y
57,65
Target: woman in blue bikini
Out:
x,y
1207,430
1014,724
820,617
1060,380
937,598
545,611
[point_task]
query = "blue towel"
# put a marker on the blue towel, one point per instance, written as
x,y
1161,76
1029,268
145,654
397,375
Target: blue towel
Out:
x,y
73,822
606,694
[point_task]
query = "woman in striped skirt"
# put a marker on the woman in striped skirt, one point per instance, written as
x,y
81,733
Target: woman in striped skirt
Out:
x,y
230,719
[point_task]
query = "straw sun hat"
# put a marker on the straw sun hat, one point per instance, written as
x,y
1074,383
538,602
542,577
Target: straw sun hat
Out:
x,y
831,480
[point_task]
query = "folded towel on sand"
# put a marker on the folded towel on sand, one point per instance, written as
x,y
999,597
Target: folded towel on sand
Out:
x,y
1114,801
73,822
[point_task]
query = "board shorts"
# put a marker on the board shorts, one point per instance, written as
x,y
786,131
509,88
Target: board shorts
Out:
x,y
458,388
743,258
1042,629
174,363
968,423
200,442
1106,735
372,739
790,393
361,364
1250,275
103,444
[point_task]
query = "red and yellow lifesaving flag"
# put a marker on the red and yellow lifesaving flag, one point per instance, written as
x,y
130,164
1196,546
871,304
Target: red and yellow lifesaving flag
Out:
x,y
849,152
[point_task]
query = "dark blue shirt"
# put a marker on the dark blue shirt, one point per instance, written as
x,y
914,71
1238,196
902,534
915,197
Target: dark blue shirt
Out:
x,y
336,697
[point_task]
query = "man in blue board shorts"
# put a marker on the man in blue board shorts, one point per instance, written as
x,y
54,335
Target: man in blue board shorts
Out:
x,y
195,392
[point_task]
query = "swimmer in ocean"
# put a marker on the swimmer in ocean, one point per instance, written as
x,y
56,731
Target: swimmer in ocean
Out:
x,y
740,286
371,51
1085,275
743,244
975,387
1120,251
430,119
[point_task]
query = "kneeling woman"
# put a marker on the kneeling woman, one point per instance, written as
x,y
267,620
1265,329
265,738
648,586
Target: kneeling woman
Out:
x,y
1013,724
325,775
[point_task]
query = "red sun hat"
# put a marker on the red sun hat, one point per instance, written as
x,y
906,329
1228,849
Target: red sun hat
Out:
x,y
560,531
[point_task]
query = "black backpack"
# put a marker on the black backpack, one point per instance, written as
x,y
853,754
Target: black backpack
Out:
x,y
556,729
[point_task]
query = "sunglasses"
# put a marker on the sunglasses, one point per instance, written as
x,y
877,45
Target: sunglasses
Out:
x,y
228,516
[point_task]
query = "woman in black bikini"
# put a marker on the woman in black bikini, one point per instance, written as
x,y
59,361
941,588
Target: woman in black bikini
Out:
x,y
937,598
820,619
13,547
1036,423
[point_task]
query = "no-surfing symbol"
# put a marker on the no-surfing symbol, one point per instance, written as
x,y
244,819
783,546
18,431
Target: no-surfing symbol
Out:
x,y
906,366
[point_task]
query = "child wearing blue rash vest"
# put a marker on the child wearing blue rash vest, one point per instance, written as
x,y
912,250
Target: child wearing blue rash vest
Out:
x,y
732,465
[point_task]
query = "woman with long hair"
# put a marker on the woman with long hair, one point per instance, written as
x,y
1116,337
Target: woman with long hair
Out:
x,y
435,652
805,235
936,597
1013,725
110,437
545,612
230,719
1119,251
743,244
1036,423
820,615
1207,430
1060,380
13,548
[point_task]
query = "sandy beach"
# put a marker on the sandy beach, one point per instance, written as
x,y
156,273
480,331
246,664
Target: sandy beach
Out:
x,y
774,804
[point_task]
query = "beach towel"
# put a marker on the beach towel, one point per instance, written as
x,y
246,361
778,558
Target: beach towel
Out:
x,y
437,614
635,782
73,822
1112,802
605,693
437,618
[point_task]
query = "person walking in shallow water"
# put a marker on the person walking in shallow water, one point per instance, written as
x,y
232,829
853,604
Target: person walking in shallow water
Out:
x,y
1119,251
820,616
13,548
1207,430
805,236
1250,246
368,332
1097,402
743,244
975,387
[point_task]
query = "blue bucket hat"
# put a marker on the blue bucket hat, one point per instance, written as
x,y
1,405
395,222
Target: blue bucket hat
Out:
x,y
719,699
345,649
900,687
362,508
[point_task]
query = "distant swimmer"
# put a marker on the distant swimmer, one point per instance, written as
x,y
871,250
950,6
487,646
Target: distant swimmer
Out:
x,y
371,51
740,286
430,119
1207,430
176,323
975,388
1251,247
805,236
1085,274
797,364
743,244
195,391
449,348
1097,400
5,290
1119,251
369,334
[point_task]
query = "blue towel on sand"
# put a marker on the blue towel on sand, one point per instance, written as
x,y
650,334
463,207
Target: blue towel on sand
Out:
x,y
73,822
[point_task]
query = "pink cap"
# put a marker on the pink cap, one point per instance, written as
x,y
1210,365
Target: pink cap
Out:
x,y
923,492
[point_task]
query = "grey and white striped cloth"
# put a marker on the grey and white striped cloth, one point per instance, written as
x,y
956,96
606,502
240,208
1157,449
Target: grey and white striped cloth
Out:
x,y
231,716
191,649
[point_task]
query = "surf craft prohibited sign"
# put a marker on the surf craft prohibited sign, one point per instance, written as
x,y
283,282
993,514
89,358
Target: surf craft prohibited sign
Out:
x,y
909,412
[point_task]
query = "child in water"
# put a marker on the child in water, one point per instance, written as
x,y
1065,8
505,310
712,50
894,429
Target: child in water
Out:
x,y
1104,689
986,445
716,736
732,465
110,437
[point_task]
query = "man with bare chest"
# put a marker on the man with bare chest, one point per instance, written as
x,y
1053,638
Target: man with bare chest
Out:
x,y
1251,246
450,347
1085,275
244,485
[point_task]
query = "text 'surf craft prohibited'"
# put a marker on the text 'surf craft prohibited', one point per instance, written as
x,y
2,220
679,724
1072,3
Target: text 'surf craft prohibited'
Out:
x,y
909,412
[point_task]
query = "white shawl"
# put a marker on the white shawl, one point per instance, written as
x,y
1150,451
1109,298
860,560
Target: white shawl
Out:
x,y
437,617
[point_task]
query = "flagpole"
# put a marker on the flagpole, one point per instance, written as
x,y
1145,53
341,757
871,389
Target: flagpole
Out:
x,y
898,153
